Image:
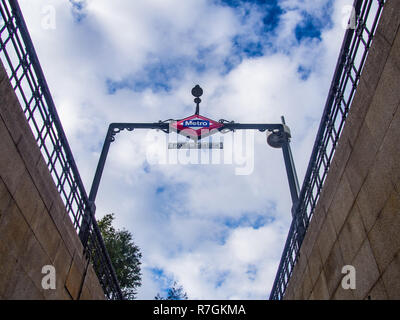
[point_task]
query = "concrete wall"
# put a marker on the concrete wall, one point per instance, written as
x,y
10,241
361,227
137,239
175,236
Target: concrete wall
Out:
x,y
35,229
357,219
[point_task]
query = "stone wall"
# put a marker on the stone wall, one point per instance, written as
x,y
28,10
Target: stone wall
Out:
x,y
35,229
357,218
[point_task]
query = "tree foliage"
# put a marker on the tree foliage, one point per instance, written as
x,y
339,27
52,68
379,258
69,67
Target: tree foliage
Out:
x,y
124,254
176,292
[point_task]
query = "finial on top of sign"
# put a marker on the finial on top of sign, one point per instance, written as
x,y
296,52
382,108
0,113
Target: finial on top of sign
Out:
x,y
197,91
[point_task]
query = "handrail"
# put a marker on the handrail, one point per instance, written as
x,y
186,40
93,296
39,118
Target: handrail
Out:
x,y
352,57
28,81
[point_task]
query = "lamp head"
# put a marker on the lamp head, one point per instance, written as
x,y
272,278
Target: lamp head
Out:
x,y
197,91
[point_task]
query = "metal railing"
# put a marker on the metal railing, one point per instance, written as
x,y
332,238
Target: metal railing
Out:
x,y
28,81
353,54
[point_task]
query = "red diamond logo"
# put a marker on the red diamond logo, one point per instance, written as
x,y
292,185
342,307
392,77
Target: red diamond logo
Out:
x,y
196,126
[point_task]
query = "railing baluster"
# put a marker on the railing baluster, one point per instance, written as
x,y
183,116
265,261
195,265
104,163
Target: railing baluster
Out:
x,y
27,79
342,89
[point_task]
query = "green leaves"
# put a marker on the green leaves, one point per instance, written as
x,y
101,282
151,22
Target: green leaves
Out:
x,y
124,254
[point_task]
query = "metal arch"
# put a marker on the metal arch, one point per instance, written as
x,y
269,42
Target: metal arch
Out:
x,y
114,128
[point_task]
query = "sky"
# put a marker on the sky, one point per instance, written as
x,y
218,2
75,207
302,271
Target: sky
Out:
x,y
216,225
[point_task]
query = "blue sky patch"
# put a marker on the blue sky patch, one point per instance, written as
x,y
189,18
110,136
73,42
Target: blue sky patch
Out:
x,y
156,76
160,190
255,221
312,26
222,276
170,197
309,28
78,9
146,167
137,85
161,72
249,49
272,16
159,276
157,272
304,72
262,16
269,13
251,272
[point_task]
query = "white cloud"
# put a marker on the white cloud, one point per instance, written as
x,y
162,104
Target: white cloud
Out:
x,y
183,229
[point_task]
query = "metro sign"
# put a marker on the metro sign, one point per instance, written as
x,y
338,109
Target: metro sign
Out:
x,y
196,126
196,123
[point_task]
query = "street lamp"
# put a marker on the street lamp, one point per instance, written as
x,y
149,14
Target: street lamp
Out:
x,y
278,136
197,91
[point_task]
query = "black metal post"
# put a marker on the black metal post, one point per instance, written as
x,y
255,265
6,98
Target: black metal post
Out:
x,y
291,172
293,185
290,169
113,129
100,165
294,190
85,226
